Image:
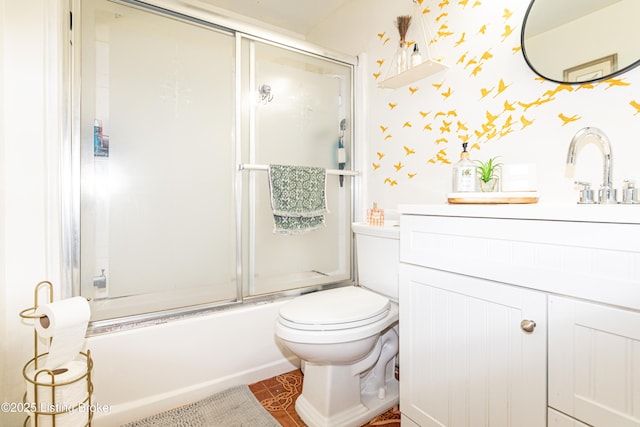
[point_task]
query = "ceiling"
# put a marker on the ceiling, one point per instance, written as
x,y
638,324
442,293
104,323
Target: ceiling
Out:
x,y
298,16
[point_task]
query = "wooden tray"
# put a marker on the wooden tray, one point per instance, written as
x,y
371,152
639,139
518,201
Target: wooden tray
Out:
x,y
493,198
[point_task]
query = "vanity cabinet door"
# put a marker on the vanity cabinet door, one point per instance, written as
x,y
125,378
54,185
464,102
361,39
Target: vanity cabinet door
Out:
x,y
465,359
594,362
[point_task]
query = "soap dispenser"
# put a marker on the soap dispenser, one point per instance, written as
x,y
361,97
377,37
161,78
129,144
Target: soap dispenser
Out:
x,y
416,58
464,173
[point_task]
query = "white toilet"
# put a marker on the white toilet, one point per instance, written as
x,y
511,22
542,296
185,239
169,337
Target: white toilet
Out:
x,y
347,337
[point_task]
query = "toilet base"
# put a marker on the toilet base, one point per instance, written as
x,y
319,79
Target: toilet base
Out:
x,y
369,407
351,395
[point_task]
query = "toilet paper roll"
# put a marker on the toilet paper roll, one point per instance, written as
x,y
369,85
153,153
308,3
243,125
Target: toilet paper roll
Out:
x,y
65,322
69,398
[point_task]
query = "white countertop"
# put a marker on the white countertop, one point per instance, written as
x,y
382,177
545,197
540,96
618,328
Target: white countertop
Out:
x,y
627,214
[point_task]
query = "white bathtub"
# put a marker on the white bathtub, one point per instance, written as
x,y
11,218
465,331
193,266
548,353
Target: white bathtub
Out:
x,y
144,371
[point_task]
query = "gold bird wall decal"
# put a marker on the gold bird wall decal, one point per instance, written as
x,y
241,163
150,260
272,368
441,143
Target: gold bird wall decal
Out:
x,y
380,155
508,30
566,120
635,104
413,89
408,151
615,82
393,105
383,128
376,166
398,166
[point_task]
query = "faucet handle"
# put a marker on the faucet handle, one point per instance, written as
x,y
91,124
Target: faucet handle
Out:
x,y
586,193
630,193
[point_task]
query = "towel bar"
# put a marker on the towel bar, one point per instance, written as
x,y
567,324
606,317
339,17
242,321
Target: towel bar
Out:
x,y
249,166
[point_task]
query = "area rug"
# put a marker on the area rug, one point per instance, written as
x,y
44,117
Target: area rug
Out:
x,y
235,407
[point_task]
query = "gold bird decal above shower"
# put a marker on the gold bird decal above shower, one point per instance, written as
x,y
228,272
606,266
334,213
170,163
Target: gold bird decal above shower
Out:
x,y
446,94
464,138
381,35
408,151
393,105
376,166
483,30
388,137
413,89
398,166
477,3
411,175
441,140
376,75
380,62
507,14
635,104
463,3
461,126
424,114
462,58
383,128
461,40
427,127
443,3
566,120
380,155
442,15
407,125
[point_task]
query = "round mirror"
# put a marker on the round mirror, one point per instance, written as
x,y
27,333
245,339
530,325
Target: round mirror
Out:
x,y
578,41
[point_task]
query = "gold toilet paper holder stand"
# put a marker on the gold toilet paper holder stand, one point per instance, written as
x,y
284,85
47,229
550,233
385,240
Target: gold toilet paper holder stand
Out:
x,y
51,408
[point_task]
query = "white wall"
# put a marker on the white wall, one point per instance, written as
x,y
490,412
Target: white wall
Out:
x,y
469,31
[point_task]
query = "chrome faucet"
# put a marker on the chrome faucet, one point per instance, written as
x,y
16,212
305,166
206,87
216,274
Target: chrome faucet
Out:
x,y
607,194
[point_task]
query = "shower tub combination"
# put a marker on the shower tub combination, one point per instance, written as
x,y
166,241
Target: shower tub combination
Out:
x,y
178,118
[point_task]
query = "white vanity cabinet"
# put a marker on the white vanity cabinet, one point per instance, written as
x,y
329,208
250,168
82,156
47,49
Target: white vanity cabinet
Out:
x,y
594,362
465,358
473,281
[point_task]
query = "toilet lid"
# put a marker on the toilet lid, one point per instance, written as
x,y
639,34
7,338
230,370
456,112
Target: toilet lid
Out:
x,y
332,309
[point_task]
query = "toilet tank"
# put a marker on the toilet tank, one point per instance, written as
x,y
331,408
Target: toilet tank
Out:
x,y
378,257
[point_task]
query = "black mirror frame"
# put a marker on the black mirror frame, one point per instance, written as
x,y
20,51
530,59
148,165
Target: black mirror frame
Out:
x,y
526,59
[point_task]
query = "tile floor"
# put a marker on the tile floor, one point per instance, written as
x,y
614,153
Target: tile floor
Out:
x,y
278,396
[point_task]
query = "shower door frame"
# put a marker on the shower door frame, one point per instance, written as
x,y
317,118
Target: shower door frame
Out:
x,y
70,247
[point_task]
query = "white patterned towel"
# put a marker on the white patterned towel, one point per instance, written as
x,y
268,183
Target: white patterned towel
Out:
x,y
298,198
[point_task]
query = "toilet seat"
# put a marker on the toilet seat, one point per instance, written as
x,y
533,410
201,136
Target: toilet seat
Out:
x,y
335,309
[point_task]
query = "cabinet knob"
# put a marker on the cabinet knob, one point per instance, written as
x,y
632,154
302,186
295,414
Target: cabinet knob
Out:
x,y
528,325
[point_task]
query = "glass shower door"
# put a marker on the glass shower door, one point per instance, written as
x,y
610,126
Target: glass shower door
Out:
x,y
157,221
298,107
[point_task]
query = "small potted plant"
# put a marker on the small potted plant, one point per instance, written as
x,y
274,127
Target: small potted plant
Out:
x,y
488,174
